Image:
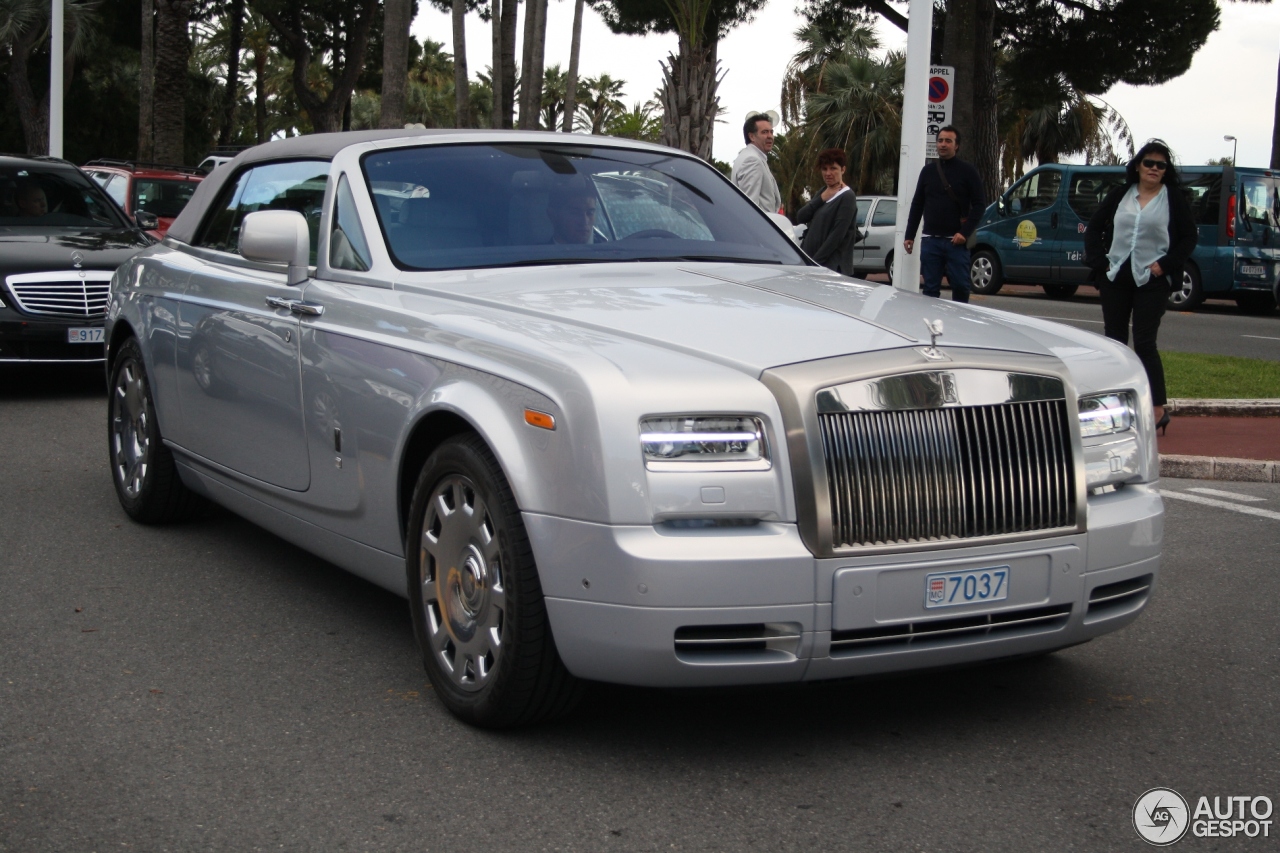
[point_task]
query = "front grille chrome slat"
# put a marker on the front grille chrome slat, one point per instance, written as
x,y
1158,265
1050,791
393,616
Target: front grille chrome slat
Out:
x,y
960,472
62,295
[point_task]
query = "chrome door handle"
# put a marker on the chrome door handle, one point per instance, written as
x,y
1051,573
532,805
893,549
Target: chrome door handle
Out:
x,y
308,309
280,302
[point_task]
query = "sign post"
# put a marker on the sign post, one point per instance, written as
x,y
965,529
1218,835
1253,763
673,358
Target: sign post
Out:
x,y
915,123
941,96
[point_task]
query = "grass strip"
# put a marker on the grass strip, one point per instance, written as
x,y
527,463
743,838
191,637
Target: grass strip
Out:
x,y
1197,376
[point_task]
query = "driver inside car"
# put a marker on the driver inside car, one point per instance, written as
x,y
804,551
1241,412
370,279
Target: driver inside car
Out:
x,y
572,211
31,201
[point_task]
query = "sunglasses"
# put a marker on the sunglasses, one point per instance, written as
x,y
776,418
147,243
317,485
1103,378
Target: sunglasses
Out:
x,y
1158,165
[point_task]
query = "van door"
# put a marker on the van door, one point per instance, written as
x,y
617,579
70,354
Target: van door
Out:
x,y
1085,192
1026,233
1256,238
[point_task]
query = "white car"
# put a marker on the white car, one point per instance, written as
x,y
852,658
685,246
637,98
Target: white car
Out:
x,y
597,418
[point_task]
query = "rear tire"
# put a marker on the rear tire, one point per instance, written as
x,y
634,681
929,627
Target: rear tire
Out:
x,y
1256,303
1191,294
888,266
474,594
1060,291
986,276
142,467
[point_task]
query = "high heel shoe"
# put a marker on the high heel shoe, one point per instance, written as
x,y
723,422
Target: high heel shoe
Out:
x,y
1163,423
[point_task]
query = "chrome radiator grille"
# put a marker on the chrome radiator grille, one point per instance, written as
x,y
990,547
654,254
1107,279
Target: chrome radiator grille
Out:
x,y
62,295
948,473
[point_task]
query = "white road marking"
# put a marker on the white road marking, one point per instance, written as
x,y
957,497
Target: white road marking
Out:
x,y
1196,499
1260,337
1071,320
1233,495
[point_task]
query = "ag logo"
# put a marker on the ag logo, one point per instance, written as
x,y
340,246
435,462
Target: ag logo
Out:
x,y
1161,817
1026,234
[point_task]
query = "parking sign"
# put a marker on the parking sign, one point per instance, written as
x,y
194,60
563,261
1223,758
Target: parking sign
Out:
x,y
941,94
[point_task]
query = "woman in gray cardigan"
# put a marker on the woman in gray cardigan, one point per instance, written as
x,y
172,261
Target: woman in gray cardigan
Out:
x,y
830,215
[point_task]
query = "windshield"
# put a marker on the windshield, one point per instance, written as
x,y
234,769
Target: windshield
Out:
x,y
451,207
164,198
36,197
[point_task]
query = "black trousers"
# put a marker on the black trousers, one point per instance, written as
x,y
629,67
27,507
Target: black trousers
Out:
x,y
1122,301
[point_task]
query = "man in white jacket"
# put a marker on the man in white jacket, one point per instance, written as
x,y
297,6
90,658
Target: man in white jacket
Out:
x,y
751,169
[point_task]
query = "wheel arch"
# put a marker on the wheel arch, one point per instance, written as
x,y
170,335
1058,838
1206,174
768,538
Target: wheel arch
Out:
x,y
121,331
430,431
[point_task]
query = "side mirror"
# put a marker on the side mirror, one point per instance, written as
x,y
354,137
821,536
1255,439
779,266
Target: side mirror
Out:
x,y
278,237
146,221
1002,206
785,224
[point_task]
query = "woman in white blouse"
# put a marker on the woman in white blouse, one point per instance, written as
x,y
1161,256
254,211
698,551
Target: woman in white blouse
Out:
x,y
1137,244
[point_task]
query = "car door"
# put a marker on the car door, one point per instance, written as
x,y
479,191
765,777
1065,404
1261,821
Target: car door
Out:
x,y
238,370
1027,232
880,231
1085,191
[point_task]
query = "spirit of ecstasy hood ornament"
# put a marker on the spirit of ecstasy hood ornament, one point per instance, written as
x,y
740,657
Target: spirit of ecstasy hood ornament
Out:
x,y
935,331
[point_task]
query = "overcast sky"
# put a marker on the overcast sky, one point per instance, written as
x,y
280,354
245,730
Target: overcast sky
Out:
x,y
1230,88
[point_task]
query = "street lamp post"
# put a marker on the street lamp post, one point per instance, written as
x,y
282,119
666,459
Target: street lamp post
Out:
x,y
1232,140
55,79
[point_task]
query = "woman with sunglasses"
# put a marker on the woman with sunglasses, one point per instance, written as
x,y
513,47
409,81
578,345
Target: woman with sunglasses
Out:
x,y
1137,244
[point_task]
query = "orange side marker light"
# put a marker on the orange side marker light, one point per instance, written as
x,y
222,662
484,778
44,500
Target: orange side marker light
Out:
x,y
539,419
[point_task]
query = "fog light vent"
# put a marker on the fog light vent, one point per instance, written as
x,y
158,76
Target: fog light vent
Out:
x,y
767,641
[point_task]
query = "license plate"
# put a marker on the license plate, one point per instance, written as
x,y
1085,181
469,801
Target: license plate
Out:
x,y
84,336
976,586
1253,270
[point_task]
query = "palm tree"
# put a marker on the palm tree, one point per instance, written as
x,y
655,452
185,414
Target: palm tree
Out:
x,y
642,121
806,72
147,80
535,41
690,79
461,90
860,110
235,41
554,94
396,16
571,83
603,102
1064,122
24,26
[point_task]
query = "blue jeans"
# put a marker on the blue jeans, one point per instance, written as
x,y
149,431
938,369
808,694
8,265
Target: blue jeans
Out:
x,y
938,253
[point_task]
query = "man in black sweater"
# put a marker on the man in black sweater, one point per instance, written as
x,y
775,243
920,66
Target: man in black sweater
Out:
x,y
949,195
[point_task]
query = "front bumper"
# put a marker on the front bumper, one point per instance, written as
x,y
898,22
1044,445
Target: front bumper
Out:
x,y
646,606
29,340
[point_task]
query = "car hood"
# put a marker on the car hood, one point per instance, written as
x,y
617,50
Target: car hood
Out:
x,y
37,250
748,316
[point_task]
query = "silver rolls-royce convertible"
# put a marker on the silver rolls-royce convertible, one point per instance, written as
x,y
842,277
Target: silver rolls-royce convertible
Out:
x,y
598,418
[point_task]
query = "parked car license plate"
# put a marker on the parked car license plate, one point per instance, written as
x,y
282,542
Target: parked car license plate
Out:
x,y
1253,269
84,336
947,589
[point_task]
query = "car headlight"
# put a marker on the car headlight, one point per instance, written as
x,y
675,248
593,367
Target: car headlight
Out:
x,y
704,442
1104,414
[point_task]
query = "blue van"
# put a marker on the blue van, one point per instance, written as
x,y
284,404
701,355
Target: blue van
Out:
x,y
1034,233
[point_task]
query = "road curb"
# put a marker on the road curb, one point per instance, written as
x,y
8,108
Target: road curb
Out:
x,y
1226,408
1219,468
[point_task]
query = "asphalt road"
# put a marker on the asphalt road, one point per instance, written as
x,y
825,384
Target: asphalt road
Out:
x,y
210,687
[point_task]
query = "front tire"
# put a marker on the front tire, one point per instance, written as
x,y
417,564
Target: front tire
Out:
x,y
986,276
142,467
474,594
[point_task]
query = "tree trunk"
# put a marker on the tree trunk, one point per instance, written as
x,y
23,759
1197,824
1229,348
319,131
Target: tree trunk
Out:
x,y
985,150
539,53
235,41
1275,127
689,102
495,69
173,50
147,82
395,61
260,95
509,9
35,121
461,86
571,82
526,62
959,47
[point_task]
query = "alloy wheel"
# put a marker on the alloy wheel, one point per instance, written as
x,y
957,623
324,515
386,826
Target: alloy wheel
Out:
x,y
130,436
462,590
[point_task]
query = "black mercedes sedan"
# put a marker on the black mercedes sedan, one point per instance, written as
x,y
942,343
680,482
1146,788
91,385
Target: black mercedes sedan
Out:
x,y
61,238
